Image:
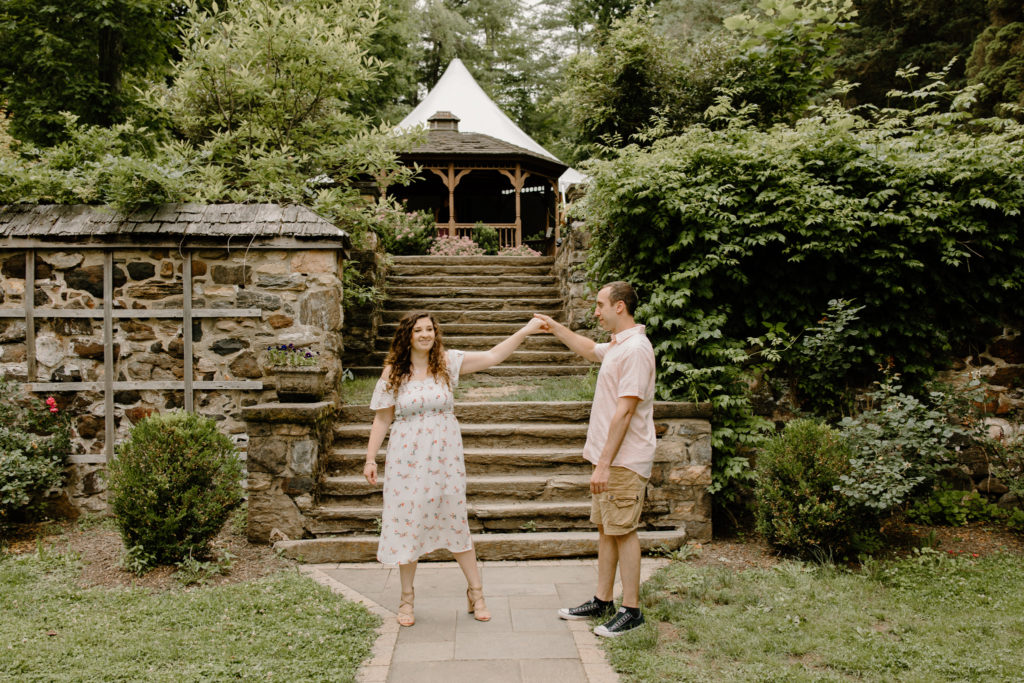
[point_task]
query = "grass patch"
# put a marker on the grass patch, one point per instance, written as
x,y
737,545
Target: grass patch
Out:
x,y
927,618
358,391
567,388
282,627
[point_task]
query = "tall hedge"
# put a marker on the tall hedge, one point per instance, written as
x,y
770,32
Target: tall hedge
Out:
x,y
738,233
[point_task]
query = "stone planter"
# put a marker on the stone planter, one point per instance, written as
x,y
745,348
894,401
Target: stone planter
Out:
x,y
300,384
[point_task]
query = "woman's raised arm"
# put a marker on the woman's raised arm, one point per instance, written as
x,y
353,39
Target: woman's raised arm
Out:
x,y
476,361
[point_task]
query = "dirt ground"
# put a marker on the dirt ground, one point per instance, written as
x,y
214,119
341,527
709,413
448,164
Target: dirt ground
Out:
x,y
99,547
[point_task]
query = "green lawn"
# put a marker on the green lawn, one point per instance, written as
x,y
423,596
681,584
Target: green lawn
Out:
x,y
927,618
281,628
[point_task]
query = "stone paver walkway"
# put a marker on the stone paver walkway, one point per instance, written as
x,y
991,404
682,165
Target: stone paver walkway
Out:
x,y
525,641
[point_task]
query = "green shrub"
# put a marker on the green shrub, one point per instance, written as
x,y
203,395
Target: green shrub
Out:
x,y
900,444
172,486
957,508
727,230
486,238
799,509
34,443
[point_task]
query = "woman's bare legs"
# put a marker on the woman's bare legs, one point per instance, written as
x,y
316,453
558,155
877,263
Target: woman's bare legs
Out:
x,y
475,591
406,573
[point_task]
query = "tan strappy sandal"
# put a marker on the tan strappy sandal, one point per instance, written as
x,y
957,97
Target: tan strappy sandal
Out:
x,y
477,606
405,613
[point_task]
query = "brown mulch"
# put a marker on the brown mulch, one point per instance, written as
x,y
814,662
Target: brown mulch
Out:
x,y
100,549
974,540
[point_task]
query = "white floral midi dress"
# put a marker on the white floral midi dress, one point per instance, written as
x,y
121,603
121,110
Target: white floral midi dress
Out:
x,y
424,475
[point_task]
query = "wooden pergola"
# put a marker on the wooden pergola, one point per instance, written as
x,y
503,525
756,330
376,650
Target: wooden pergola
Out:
x,y
472,178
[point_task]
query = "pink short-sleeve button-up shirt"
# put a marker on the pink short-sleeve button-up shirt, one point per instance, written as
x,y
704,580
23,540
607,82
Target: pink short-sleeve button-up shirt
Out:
x,y
627,369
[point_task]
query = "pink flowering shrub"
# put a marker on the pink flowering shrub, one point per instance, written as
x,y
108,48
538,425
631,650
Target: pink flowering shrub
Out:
x,y
521,250
405,233
455,246
35,439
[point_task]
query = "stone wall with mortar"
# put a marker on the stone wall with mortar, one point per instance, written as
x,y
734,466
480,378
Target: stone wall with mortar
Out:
x,y
298,291
288,446
677,496
570,270
369,268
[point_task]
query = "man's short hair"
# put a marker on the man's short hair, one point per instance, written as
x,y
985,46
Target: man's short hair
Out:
x,y
622,291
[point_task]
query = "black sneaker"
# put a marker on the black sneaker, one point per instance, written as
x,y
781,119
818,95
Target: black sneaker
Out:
x,y
590,609
623,621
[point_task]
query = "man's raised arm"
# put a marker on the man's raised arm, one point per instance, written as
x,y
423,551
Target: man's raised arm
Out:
x,y
576,342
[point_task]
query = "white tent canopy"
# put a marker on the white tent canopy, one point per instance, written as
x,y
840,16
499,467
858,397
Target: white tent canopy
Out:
x,y
458,92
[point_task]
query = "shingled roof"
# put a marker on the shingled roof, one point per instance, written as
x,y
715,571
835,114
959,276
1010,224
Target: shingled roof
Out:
x,y
451,143
54,222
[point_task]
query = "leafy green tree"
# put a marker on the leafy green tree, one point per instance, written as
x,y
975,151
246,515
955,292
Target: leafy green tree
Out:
x,y
734,230
892,34
997,61
81,56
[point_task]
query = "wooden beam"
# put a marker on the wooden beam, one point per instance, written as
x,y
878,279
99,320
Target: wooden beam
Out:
x,y
108,353
149,385
135,313
186,329
29,313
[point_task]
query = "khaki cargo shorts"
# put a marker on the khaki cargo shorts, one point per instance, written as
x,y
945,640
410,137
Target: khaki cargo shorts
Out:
x,y
618,508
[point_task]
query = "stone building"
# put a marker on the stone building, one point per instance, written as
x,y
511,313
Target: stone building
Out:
x,y
170,307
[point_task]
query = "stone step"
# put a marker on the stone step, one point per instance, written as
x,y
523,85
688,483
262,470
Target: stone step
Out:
x,y
493,461
527,304
482,342
491,279
492,261
472,317
404,269
479,487
493,329
346,518
528,357
485,412
505,370
511,546
512,435
455,290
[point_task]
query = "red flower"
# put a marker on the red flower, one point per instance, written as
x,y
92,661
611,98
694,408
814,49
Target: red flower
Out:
x,y
51,403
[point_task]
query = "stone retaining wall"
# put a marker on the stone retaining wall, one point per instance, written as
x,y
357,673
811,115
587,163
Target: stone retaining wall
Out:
x,y
298,291
570,270
369,269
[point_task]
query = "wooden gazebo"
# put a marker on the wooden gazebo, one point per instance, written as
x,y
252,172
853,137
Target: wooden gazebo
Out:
x,y
472,178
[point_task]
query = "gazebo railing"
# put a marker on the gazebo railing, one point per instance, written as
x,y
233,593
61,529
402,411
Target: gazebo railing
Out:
x,y
506,232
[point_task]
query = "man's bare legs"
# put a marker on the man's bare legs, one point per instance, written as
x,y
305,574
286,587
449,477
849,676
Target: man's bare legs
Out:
x,y
622,552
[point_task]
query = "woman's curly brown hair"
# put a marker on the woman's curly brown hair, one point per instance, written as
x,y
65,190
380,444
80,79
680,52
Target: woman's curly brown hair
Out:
x,y
400,354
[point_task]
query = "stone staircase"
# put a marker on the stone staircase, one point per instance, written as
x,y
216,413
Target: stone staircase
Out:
x,y
528,487
478,301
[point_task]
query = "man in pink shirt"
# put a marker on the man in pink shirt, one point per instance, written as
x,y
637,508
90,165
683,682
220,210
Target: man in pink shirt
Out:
x,y
620,444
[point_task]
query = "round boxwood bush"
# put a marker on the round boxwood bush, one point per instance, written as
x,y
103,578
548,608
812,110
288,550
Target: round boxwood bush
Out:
x,y
174,483
799,509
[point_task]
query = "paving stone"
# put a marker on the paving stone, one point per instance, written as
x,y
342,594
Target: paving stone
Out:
x,y
537,619
492,671
515,645
550,670
422,652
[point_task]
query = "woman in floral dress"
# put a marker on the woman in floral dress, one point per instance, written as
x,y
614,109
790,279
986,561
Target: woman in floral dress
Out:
x,y
425,481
